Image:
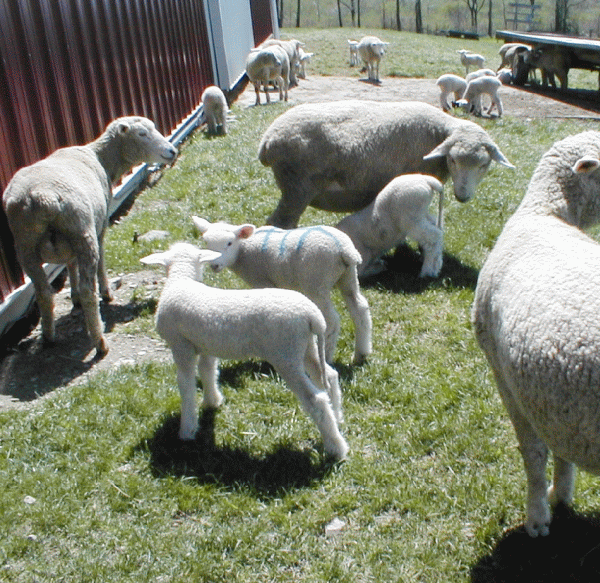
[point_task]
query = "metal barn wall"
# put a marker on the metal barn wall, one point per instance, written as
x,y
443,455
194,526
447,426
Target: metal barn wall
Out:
x,y
68,67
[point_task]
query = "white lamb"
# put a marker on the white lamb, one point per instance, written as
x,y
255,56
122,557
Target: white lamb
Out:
x,y
505,76
371,49
304,59
292,49
312,260
535,316
450,84
57,210
202,324
353,48
338,156
215,109
266,65
469,59
472,99
479,73
399,211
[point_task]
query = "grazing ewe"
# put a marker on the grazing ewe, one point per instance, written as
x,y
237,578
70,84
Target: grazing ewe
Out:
x,y
469,59
215,109
472,99
337,156
353,48
275,325
551,61
508,53
535,316
266,65
313,261
399,211
450,84
371,50
292,50
57,211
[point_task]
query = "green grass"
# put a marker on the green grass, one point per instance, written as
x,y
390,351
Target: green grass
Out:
x,y
434,477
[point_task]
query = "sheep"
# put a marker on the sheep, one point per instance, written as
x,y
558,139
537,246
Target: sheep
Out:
x,y
535,316
479,73
508,52
304,59
353,48
371,49
292,49
468,59
337,156
312,260
505,76
202,324
448,84
551,61
269,64
472,99
57,210
215,109
398,212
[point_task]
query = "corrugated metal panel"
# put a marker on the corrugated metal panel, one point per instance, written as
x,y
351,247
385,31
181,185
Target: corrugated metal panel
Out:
x,y
68,67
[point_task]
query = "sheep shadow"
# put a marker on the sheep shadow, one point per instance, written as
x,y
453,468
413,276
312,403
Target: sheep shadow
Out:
x,y
30,368
402,268
583,98
280,470
570,553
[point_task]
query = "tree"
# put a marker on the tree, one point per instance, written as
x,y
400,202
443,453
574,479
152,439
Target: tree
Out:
x,y
398,21
490,20
474,7
561,16
298,15
351,6
418,17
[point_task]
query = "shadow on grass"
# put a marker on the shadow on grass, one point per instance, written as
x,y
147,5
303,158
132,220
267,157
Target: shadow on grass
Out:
x,y
270,475
402,268
571,553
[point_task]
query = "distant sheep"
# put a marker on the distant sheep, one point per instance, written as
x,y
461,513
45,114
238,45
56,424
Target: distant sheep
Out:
x,y
469,59
57,210
371,49
399,212
551,61
312,260
337,156
535,315
479,73
353,48
266,65
215,109
450,84
472,99
509,51
275,325
304,59
292,50
505,76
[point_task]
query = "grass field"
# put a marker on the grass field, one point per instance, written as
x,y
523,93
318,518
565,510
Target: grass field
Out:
x,y
95,487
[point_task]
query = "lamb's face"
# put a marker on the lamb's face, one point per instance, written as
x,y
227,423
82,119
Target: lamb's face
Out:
x,y
223,239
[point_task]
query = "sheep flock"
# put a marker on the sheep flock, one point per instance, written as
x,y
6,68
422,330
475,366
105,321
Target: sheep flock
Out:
x,y
382,164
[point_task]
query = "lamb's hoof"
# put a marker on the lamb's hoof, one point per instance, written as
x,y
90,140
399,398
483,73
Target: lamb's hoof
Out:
x,y
101,349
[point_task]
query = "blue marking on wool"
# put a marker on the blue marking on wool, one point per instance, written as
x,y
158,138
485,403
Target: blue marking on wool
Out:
x,y
268,232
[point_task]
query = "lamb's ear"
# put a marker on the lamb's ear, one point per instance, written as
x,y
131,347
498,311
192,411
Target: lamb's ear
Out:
x,y
586,165
439,151
201,224
123,127
498,156
206,255
245,231
155,259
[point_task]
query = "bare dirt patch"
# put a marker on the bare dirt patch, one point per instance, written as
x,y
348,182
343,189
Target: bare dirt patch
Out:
x,y
29,369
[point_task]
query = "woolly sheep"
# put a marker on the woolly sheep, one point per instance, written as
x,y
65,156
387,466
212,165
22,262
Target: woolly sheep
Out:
x,y
535,315
202,324
450,84
469,59
551,61
313,261
57,210
215,109
292,50
266,65
479,73
398,212
472,99
337,156
505,76
353,48
509,51
371,49
304,59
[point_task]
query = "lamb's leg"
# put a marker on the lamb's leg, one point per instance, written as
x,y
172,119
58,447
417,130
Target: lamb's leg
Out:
x,y
444,101
359,312
208,369
184,356
431,243
257,91
332,320
317,404
563,483
266,88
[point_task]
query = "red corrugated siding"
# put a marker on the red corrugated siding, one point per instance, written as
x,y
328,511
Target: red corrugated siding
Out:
x,y
68,67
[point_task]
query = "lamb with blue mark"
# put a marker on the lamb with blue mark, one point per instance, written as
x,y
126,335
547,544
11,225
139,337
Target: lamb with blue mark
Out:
x,y
310,260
